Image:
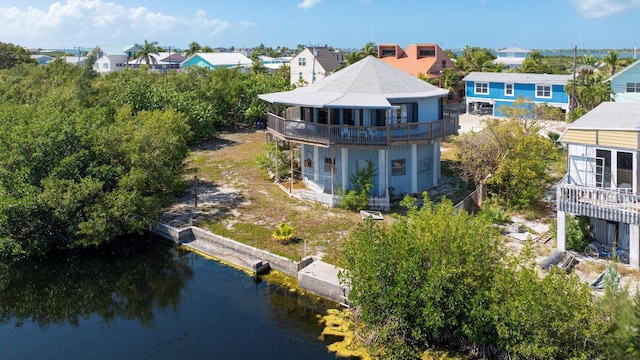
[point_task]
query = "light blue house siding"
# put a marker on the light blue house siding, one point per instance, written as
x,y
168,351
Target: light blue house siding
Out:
x,y
424,172
497,97
499,89
626,84
197,61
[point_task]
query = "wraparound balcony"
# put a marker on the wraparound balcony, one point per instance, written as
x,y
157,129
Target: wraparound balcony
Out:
x,y
613,205
297,130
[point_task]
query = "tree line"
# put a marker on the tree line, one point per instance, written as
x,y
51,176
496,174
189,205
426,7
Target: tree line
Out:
x,y
438,277
88,158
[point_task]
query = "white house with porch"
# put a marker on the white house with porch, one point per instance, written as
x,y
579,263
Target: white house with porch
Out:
x,y
369,111
602,176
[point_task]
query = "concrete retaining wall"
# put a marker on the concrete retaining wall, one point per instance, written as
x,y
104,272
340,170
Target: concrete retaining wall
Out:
x,y
174,234
276,262
314,276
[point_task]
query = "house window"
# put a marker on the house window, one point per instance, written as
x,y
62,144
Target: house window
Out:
x,y
633,87
105,65
482,88
508,89
407,113
302,61
427,52
329,163
398,167
543,91
388,52
443,64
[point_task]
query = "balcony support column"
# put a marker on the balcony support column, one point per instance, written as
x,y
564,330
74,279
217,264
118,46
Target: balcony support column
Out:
x,y
413,167
561,236
316,162
436,162
634,246
344,163
382,178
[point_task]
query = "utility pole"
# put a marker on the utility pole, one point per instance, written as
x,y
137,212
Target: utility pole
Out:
x,y
313,66
573,88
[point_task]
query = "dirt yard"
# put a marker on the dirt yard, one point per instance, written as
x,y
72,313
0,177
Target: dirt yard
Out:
x,y
238,200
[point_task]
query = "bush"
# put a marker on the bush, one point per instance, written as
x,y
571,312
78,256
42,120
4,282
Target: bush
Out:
x,y
362,181
283,233
578,232
493,213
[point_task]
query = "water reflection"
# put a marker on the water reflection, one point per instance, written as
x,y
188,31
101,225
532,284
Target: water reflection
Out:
x,y
126,279
151,301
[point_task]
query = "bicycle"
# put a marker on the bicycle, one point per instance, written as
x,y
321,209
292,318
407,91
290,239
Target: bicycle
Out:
x,y
597,249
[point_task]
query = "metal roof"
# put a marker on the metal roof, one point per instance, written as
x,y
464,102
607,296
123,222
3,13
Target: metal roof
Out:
x,y
610,116
223,59
519,78
514,49
369,83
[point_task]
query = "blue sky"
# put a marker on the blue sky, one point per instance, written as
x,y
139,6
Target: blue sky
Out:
x,y
531,24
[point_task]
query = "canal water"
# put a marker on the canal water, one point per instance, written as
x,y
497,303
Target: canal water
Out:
x,y
151,301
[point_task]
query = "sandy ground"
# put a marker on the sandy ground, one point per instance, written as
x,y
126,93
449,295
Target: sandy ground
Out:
x,y
472,123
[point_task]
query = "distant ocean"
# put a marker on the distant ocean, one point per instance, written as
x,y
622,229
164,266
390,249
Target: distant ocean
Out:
x,y
569,53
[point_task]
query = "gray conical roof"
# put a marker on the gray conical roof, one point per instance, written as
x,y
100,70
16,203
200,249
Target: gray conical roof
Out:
x,y
367,83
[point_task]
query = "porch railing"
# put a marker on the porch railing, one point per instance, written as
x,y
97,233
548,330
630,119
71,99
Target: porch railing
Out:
x,y
605,204
362,135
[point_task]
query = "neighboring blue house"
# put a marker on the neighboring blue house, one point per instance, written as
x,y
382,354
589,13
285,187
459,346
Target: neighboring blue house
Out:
x,y
487,91
625,84
43,59
217,60
369,111
511,57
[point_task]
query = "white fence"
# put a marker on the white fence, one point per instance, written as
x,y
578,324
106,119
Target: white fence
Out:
x,y
375,202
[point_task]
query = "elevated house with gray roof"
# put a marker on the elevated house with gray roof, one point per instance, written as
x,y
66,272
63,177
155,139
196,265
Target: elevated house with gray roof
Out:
x,y
367,112
602,177
487,91
512,57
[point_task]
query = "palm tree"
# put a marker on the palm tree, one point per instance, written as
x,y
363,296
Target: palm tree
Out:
x,y
589,60
534,63
590,90
145,51
369,48
352,58
194,48
612,61
450,79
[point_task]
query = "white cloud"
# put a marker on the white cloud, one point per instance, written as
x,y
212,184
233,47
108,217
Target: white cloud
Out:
x,y
307,4
245,23
94,22
602,8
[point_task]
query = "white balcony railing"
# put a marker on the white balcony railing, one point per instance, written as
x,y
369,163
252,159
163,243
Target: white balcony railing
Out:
x,y
613,205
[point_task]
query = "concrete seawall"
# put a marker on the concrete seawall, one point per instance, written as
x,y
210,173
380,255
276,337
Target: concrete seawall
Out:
x,y
314,276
